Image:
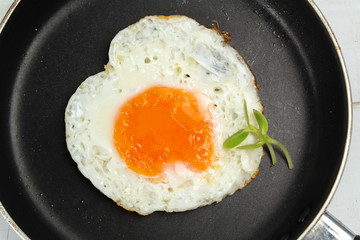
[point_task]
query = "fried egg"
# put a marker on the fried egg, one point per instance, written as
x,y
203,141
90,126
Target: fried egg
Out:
x,y
148,131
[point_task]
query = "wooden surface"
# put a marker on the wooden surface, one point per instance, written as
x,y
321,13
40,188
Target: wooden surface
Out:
x,y
344,19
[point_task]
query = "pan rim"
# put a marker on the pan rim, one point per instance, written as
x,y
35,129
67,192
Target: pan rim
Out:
x,y
330,196
3,211
350,120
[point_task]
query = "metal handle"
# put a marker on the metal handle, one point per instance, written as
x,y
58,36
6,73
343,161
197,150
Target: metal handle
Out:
x,y
328,227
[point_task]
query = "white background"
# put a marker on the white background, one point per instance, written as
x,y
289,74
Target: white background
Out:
x,y
344,18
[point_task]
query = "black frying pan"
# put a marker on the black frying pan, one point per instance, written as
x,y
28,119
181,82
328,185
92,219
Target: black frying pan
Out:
x,y
48,49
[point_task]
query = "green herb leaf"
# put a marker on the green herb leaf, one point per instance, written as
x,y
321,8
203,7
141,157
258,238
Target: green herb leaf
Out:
x,y
246,114
261,120
251,146
236,139
285,151
272,153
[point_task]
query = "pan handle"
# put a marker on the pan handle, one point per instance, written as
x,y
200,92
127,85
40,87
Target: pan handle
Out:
x,y
328,227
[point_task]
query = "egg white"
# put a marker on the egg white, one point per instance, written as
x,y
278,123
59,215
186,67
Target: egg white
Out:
x,y
175,52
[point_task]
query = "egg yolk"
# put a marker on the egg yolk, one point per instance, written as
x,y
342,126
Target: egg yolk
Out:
x,y
164,125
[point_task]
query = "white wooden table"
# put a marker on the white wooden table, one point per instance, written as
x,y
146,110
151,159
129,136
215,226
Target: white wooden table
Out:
x,y
344,18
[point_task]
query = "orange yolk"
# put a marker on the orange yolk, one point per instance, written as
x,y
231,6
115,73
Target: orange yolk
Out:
x,y
164,125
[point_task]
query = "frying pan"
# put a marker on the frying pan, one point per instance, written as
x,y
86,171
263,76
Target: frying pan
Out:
x,y
47,50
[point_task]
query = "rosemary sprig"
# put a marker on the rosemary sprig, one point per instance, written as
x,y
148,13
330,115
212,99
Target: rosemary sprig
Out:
x,y
261,132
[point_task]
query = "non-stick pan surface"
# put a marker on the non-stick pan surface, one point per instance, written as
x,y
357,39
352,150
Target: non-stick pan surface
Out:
x,y
48,48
